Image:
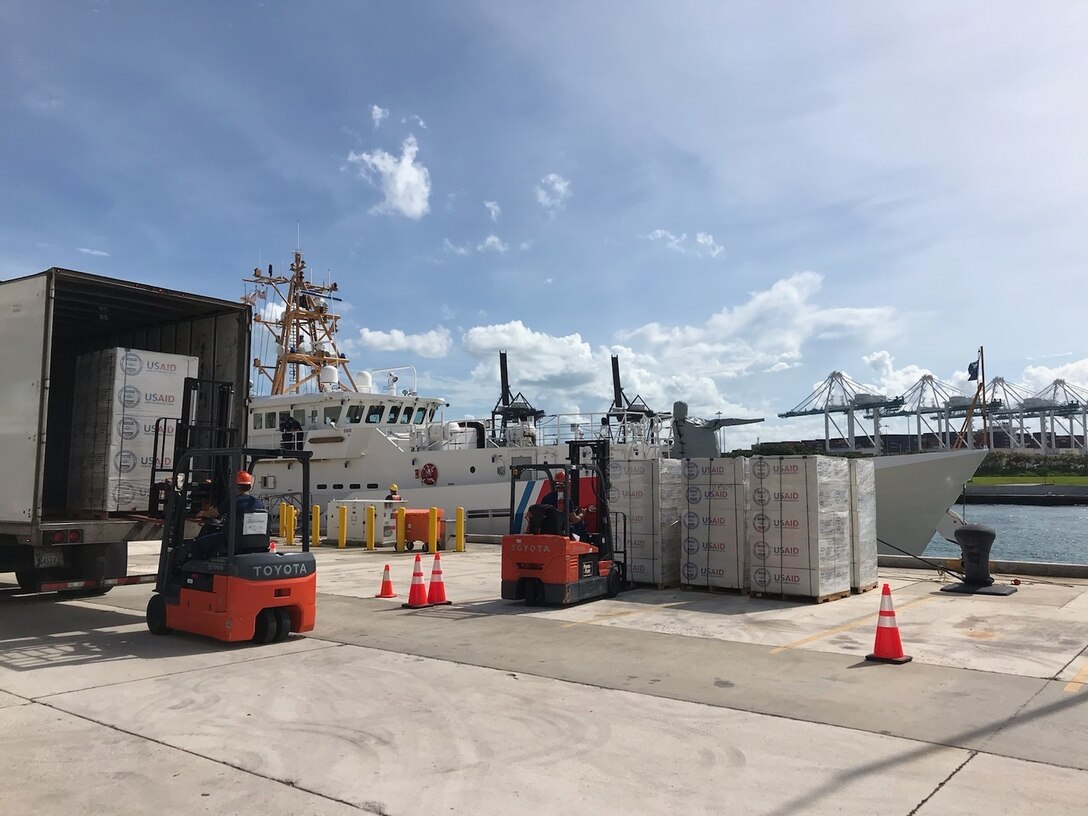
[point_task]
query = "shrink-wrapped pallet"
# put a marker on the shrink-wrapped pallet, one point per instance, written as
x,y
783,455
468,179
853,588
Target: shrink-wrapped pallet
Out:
x,y
798,530
863,544
120,397
646,493
712,529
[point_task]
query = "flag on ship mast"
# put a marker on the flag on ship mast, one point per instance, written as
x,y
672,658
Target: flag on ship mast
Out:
x,y
972,371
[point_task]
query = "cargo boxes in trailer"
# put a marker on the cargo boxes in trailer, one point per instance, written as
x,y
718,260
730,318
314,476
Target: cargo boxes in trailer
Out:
x,y
52,320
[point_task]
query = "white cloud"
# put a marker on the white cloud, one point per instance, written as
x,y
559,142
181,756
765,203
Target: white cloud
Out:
x,y
98,253
493,208
433,343
405,184
773,327
894,382
492,243
704,245
1075,373
451,248
553,192
378,115
414,119
272,311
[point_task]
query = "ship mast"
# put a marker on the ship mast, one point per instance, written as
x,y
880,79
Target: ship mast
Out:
x,y
305,334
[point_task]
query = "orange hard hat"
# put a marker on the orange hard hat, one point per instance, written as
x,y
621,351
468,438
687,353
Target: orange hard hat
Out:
x,y
244,478
561,476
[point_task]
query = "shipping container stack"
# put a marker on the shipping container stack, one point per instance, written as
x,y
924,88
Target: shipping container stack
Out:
x,y
798,530
120,394
712,529
648,494
863,559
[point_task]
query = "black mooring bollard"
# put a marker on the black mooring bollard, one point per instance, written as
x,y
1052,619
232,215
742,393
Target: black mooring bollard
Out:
x,y
975,541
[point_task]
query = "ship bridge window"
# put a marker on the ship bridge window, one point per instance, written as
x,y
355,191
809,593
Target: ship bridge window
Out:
x,y
394,413
434,410
406,419
421,414
299,414
374,415
355,414
332,414
258,421
270,419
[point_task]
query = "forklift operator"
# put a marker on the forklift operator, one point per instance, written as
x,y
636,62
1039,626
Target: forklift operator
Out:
x,y
215,543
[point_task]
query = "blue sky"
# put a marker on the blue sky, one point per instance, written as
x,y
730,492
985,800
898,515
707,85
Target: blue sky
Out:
x,y
736,198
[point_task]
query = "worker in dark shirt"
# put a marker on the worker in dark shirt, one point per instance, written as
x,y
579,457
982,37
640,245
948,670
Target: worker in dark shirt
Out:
x,y
215,543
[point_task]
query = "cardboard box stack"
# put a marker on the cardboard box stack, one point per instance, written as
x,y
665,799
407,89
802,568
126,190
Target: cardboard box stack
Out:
x,y
863,559
712,529
120,394
798,531
648,492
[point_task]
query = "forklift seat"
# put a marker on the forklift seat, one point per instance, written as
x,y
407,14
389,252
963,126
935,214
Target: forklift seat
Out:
x,y
543,519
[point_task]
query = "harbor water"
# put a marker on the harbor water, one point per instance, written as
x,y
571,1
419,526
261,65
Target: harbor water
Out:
x,y
1026,533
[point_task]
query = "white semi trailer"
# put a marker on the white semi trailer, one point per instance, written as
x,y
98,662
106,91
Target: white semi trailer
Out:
x,y
47,322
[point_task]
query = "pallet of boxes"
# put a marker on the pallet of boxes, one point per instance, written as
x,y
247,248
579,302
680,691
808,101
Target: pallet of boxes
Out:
x,y
792,526
645,496
121,396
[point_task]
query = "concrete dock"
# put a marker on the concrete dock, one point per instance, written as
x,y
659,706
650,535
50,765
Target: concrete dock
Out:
x,y
659,701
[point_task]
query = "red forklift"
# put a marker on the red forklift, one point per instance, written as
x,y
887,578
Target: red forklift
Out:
x,y
248,593
548,563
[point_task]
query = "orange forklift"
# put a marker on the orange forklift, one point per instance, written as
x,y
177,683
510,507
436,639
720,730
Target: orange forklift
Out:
x,y
549,563
248,593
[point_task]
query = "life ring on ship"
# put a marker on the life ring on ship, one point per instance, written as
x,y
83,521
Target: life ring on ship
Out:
x,y
428,474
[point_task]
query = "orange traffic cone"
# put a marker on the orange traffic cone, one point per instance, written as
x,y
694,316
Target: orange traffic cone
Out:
x,y
387,586
437,594
417,595
888,648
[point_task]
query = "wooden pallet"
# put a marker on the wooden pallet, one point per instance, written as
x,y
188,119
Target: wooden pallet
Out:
x,y
778,596
866,588
714,590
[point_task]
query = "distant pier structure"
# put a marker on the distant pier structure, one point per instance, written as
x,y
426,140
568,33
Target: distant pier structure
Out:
x,y
940,417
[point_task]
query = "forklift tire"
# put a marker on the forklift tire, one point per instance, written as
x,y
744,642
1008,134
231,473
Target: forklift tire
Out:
x,y
534,592
264,629
27,579
614,584
156,615
283,623
409,545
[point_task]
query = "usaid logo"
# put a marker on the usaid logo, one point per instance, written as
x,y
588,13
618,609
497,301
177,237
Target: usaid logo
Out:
x,y
154,398
787,496
165,428
761,496
761,522
691,470
613,495
792,551
131,363
716,493
691,520
690,571
760,577
787,468
695,495
125,461
716,546
128,428
787,524
129,396
692,545
636,569
161,367
760,468
124,493
761,549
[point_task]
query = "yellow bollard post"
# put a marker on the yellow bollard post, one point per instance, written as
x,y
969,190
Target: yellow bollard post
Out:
x,y
290,525
459,531
315,525
400,529
342,533
283,522
371,523
432,530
